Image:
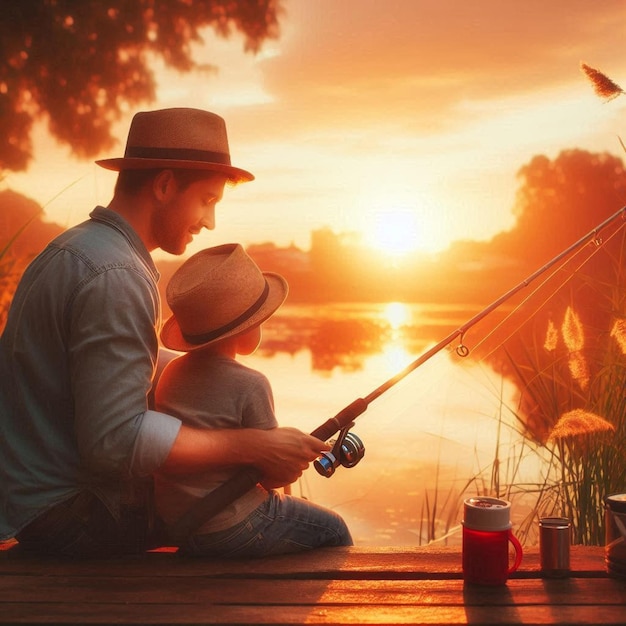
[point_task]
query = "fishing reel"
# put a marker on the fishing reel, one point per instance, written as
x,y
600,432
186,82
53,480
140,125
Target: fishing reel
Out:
x,y
347,450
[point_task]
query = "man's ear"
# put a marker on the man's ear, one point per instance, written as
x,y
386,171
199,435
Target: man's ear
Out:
x,y
164,185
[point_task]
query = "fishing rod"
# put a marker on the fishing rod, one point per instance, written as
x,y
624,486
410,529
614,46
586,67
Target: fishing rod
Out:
x,y
347,450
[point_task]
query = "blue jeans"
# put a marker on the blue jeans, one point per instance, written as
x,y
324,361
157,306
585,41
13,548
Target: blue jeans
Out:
x,y
83,527
281,525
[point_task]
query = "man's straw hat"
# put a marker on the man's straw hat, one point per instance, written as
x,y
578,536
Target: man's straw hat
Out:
x,y
178,138
218,293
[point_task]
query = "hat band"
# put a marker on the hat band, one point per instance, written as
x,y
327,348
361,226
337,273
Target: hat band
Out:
x,y
214,334
181,154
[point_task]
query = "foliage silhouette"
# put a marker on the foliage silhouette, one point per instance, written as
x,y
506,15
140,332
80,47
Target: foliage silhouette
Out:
x,y
80,63
558,202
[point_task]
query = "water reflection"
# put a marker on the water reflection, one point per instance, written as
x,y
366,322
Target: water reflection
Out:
x,y
344,335
395,356
425,439
397,315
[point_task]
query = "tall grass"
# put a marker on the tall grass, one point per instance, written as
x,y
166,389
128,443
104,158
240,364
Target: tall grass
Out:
x,y
582,392
571,374
565,351
569,363
11,267
586,444
8,282
603,86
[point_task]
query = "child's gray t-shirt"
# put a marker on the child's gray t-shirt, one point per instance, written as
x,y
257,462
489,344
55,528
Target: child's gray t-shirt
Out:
x,y
205,390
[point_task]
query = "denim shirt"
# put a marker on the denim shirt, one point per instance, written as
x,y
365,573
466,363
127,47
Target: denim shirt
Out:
x,y
77,358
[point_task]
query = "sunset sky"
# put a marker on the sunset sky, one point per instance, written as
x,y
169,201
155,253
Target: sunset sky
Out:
x,y
370,115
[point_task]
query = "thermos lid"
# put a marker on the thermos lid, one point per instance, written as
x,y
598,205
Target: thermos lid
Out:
x,y
558,523
483,513
616,502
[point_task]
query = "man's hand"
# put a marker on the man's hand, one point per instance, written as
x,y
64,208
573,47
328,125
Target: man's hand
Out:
x,y
280,454
285,453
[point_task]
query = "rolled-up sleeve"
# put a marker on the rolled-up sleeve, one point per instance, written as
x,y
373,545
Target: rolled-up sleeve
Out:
x,y
113,351
154,441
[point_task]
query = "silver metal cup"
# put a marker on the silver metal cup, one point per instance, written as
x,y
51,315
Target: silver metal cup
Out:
x,y
554,543
615,518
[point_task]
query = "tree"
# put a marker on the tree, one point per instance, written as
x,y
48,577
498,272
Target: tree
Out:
x,y
568,339
558,201
78,63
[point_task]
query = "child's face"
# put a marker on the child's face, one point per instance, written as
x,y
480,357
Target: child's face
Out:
x,y
249,341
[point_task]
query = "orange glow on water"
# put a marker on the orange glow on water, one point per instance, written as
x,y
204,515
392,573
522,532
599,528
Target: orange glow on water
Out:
x,y
397,314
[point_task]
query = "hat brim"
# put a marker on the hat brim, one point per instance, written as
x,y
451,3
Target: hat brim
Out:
x,y
235,174
172,336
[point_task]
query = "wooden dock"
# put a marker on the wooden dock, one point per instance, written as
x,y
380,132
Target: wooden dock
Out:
x,y
328,586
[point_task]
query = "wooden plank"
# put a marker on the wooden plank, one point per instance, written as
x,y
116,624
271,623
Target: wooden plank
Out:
x,y
352,562
49,613
171,590
333,586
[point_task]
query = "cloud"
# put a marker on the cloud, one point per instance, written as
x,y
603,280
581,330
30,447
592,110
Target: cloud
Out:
x,y
364,62
361,103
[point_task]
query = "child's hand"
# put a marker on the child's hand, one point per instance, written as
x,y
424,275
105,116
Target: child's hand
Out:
x,y
285,454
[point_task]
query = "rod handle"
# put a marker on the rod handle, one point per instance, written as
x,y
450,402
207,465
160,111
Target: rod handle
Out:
x,y
341,420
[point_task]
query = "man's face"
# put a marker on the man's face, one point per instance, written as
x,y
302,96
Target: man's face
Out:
x,y
185,211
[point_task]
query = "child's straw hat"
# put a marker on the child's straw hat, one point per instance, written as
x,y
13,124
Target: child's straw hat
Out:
x,y
218,293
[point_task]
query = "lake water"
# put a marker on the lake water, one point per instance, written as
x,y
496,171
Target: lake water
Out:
x,y
430,440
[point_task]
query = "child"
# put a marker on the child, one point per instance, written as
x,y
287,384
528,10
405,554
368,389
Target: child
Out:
x,y
219,299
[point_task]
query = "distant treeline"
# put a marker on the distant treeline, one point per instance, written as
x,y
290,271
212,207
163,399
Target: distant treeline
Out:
x,y
557,202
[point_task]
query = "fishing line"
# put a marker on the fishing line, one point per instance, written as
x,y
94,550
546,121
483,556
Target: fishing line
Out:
x,y
239,484
598,246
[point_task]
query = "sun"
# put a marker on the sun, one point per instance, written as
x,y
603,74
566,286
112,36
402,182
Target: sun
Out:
x,y
397,221
395,232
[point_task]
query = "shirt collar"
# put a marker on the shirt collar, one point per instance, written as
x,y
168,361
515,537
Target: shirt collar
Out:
x,y
115,220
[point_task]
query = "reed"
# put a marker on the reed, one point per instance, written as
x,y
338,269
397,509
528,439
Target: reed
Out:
x,y
571,410
8,282
572,381
582,392
11,267
585,448
603,87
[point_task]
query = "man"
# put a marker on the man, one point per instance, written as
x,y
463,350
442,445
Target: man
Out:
x,y
78,441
